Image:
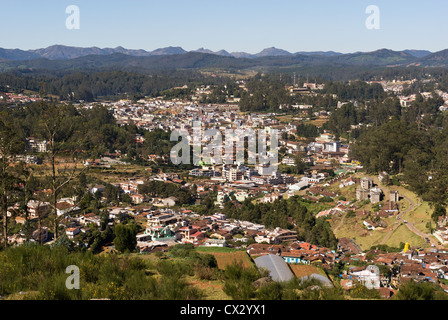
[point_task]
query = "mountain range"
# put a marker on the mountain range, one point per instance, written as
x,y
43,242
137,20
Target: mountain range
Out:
x,y
61,52
59,58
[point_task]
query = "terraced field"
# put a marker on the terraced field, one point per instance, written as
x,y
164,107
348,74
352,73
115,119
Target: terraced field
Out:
x,y
226,256
303,270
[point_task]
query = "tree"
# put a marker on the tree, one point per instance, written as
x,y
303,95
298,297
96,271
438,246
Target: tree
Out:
x,y
385,148
415,291
300,165
110,192
58,130
125,238
238,281
307,130
439,211
10,145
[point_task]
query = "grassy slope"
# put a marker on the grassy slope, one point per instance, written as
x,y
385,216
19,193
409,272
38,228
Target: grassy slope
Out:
x,y
353,227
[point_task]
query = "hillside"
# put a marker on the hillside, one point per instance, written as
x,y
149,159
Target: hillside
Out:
x,y
382,57
395,231
437,59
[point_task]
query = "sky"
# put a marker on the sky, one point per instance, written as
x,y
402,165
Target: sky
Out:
x,y
233,25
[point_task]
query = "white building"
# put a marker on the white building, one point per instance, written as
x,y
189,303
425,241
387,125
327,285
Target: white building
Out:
x,y
36,145
369,277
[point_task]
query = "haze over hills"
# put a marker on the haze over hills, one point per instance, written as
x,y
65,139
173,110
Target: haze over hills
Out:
x,y
436,59
61,52
65,58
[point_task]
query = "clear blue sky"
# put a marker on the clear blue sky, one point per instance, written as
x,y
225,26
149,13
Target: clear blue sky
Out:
x,y
244,25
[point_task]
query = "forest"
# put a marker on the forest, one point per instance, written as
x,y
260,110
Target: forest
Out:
x,y
412,144
92,132
111,84
278,214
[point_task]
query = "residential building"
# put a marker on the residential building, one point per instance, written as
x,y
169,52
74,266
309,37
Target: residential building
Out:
x,y
36,145
394,196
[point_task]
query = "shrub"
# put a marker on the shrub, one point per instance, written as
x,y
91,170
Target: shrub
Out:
x,y
204,273
270,291
125,238
362,292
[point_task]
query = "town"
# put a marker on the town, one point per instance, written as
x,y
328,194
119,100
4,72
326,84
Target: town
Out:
x,y
203,205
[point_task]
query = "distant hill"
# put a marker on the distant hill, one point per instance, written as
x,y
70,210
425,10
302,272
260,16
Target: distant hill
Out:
x,y
382,57
65,58
241,55
320,53
168,51
223,53
272,52
119,61
436,59
60,52
418,53
17,54
219,53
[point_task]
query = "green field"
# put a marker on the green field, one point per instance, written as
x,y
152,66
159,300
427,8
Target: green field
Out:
x,y
215,249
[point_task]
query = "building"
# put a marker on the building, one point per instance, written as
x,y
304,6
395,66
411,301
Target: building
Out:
x,y
215,243
90,218
96,188
65,208
162,219
72,232
40,235
38,208
277,267
159,233
169,202
137,198
369,276
36,145
233,174
375,195
271,197
383,177
288,161
191,234
282,235
366,183
333,146
362,194
394,196
264,169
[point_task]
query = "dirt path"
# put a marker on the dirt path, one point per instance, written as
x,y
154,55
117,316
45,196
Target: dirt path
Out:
x,y
410,225
399,217
340,224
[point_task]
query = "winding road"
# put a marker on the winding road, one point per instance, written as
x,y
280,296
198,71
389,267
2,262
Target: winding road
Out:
x,y
409,225
400,217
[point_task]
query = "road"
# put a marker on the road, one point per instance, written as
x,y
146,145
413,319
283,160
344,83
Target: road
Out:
x,y
400,217
410,225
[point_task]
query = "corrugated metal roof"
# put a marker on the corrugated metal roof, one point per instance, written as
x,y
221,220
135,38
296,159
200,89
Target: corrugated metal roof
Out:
x,y
324,280
277,267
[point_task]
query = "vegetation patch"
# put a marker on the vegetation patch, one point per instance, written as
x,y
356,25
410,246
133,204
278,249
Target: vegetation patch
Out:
x,y
225,258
